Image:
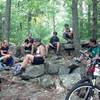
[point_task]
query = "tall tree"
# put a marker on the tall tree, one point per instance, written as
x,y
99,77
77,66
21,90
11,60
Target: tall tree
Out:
x,y
94,27
89,17
6,20
75,26
53,13
29,21
81,16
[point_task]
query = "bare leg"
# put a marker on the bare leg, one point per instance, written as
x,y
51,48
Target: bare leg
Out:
x,y
58,46
47,47
28,58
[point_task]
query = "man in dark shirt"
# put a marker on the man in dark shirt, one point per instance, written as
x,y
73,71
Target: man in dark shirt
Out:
x,y
28,44
54,43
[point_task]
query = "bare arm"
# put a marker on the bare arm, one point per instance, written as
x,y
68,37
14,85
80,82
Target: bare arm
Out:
x,y
42,51
3,53
32,49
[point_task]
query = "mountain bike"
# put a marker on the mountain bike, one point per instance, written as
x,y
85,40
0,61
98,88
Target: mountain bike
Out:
x,y
87,88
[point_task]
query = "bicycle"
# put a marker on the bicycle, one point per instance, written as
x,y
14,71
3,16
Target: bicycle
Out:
x,y
87,89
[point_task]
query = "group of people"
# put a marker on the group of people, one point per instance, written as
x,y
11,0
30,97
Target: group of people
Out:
x,y
37,51
54,42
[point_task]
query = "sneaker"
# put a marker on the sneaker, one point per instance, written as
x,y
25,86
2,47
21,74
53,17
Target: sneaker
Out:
x,y
20,72
77,60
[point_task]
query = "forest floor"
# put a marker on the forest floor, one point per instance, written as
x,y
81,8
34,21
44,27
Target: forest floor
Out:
x,y
13,88
24,90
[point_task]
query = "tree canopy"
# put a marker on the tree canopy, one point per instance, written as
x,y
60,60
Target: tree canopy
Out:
x,y
42,17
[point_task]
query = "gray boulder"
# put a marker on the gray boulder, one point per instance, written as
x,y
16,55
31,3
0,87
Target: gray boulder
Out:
x,y
69,80
46,81
12,48
33,72
53,68
63,70
55,65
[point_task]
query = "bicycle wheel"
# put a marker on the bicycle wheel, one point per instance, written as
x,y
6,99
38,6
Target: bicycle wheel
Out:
x,y
84,91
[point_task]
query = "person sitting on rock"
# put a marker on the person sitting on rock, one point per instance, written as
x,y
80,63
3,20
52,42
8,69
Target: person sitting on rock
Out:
x,y
54,43
28,44
2,57
35,59
67,33
5,54
93,52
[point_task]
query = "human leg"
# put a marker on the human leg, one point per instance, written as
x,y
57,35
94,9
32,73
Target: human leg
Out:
x,y
28,59
57,48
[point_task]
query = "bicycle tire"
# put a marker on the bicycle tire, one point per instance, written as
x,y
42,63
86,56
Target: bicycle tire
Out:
x,y
84,80
79,86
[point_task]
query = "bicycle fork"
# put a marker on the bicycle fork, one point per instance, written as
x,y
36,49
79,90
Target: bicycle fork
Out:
x,y
90,91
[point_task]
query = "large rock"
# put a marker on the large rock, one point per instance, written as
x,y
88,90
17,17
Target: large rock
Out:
x,y
53,68
68,45
33,71
69,80
46,81
55,65
63,70
12,48
70,65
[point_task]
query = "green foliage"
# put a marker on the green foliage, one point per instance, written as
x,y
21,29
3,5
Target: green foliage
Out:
x,y
1,16
41,19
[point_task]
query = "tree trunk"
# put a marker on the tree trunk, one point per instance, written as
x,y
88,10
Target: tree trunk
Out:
x,y
75,26
54,22
29,21
6,20
89,18
94,27
53,17
81,17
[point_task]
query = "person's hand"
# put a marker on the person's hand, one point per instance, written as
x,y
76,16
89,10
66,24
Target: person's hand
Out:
x,y
7,56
